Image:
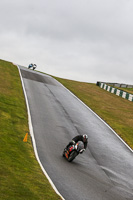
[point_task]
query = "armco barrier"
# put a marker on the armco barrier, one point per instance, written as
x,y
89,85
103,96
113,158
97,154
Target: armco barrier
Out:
x,y
116,91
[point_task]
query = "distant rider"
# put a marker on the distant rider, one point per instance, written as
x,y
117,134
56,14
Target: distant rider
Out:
x,y
83,138
30,66
33,66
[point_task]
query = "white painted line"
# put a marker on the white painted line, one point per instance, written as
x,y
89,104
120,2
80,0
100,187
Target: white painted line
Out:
x,y
33,138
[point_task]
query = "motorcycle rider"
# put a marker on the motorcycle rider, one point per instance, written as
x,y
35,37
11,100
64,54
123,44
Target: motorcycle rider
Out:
x,y
83,138
33,66
30,66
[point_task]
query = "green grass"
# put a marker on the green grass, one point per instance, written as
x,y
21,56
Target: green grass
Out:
x,y
20,174
114,110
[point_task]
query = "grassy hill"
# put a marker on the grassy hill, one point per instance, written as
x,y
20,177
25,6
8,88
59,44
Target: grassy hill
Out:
x,y
20,174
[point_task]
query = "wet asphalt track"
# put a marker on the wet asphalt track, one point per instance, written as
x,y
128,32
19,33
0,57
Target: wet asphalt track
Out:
x,y
104,171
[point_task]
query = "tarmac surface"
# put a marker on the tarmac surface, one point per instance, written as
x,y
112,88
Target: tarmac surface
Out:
x,y
104,171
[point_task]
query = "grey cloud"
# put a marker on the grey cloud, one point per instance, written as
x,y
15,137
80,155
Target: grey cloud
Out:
x,y
82,40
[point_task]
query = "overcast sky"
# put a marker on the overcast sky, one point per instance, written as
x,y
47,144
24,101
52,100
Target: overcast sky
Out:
x,y
84,40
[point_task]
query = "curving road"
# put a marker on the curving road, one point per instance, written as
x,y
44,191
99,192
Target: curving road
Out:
x,y
104,171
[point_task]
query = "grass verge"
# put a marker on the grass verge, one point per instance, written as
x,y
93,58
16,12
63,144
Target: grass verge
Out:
x,y
20,173
114,110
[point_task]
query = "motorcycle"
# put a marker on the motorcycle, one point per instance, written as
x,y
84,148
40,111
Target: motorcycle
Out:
x,y
73,150
33,66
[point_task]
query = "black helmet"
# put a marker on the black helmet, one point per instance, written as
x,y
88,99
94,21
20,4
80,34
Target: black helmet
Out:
x,y
85,138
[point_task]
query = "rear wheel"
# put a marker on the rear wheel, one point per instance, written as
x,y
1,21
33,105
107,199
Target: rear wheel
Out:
x,y
72,156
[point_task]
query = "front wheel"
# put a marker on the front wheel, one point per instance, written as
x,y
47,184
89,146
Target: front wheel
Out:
x,y
72,156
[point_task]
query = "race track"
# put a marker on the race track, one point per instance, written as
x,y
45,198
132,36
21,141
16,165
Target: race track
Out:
x,y
104,171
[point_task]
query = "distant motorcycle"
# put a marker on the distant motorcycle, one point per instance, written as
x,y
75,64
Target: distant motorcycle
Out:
x,y
33,66
73,150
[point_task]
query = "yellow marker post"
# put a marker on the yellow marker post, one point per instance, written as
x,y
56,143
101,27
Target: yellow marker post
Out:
x,y
25,138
